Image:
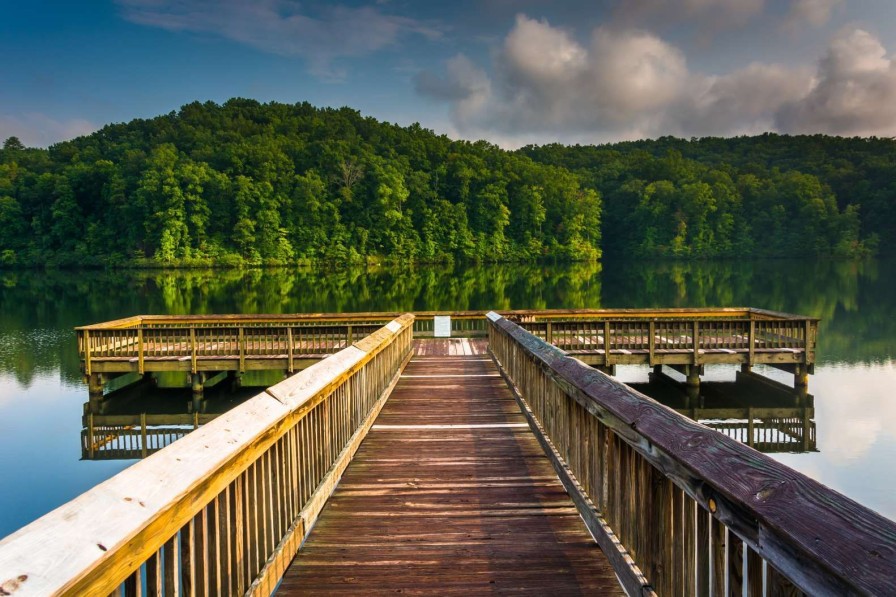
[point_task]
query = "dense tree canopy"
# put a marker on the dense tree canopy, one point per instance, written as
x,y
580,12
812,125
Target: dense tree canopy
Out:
x,y
246,182
770,195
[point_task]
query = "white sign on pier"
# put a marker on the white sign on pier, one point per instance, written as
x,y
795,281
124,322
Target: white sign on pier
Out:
x,y
441,327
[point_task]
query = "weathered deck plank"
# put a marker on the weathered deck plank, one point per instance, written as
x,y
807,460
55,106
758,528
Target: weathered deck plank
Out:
x,y
451,494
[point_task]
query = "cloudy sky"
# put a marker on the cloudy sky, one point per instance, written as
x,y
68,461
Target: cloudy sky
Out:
x,y
510,71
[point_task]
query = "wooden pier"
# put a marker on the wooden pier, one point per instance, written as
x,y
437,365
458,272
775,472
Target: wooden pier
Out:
x,y
684,339
450,494
389,466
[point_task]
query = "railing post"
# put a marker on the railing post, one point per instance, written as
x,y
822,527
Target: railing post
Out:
x,y
696,343
192,350
289,352
808,341
606,342
651,341
751,339
242,347
140,365
86,352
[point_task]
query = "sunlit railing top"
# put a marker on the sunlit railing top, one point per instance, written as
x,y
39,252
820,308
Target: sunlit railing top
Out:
x,y
100,539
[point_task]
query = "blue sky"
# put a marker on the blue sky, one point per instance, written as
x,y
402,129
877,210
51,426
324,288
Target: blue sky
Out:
x,y
510,71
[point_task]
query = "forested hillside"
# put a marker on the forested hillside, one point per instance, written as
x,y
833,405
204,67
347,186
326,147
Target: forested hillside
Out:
x,y
274,183
255,183
769,195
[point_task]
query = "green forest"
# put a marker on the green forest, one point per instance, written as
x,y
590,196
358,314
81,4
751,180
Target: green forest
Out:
x,y
246,183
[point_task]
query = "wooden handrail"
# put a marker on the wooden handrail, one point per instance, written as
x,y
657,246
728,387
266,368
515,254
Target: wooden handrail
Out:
x,y
672,500
539,315
254,340
116,324
225,508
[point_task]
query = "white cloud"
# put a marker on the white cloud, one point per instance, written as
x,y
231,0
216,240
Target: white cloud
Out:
x,y
39,130
854,93
629,83
534,48
464,84
281,26
855,410
634,73
546,81
741,102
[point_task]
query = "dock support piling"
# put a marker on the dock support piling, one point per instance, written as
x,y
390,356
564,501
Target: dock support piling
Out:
x,y
96,383
236,380
801,397
693,395
197,380
800,376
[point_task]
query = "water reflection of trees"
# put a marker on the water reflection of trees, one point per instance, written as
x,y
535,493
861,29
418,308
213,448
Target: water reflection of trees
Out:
x,y
854,299
38,309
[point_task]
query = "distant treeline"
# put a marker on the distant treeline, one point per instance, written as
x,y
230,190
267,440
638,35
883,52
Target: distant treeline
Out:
x,y
769,195
254,183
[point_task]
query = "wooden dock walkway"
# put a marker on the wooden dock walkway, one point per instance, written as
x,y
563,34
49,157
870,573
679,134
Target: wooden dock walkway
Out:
x,y
450,493
388,469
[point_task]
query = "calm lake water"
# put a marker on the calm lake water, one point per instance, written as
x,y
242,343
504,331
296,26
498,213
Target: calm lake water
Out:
x,y
42,395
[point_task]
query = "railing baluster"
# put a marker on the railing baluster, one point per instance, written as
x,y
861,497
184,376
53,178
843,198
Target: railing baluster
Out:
x,y
154,576
754,586
171,552
735,565
719,561
703,552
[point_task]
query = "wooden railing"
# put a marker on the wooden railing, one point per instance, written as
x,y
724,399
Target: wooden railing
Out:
x,y
766,429
692,334
233,341
770,435
683,510
685,335
223,510
127,442
130,437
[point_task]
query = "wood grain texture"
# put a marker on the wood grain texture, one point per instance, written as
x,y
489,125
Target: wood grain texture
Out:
x,y
93,543
823,541
451,494
627,572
